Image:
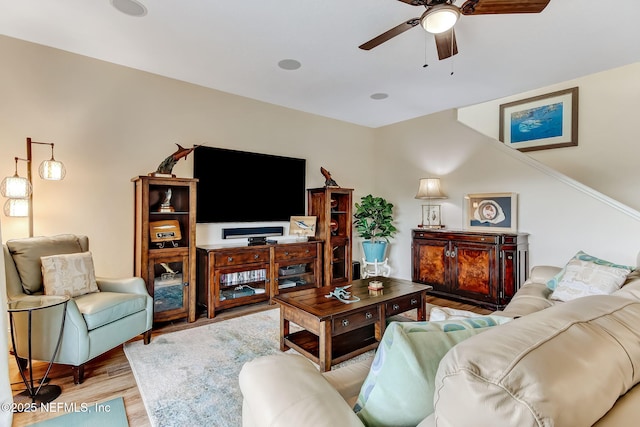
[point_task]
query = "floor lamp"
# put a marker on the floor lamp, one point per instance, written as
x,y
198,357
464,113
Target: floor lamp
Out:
x,y
19,191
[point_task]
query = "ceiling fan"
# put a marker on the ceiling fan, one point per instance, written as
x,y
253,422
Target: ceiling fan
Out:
x,y
441,15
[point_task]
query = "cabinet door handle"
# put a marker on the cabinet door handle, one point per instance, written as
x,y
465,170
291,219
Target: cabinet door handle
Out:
x,y
414,301
510,257
307,251
256,256
447,254
368,315
230,259
396,307
345,322
286,254
453,253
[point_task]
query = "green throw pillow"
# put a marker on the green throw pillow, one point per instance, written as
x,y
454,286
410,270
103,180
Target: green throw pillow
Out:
x,y
398,390
582,256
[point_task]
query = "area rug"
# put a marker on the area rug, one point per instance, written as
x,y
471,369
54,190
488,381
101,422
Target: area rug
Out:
x,y
190,377
104,414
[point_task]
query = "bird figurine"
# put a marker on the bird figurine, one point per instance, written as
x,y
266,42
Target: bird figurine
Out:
x,y
329,182
166,167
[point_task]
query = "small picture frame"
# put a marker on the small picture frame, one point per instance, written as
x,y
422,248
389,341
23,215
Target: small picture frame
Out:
x,y
431,216
492,212
303,226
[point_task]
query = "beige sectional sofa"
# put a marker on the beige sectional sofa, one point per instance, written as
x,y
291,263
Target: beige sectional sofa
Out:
x,y
572,363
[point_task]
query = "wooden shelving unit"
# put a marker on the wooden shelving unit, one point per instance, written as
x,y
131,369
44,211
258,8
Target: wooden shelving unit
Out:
x,y
332,207
167,266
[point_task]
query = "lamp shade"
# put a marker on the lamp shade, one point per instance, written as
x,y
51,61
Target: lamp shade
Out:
x,y
52,170
16,207
439,19
430,189
15,187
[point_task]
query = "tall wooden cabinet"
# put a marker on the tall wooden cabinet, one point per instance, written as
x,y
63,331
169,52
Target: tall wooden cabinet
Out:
x,y
332,207
481,268
165,250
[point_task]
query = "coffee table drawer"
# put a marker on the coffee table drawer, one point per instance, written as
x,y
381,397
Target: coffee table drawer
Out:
x,y
401,305
355,320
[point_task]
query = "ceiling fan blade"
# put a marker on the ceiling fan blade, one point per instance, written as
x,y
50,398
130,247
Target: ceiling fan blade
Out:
x,y
485,7
446,44
415,2
376,41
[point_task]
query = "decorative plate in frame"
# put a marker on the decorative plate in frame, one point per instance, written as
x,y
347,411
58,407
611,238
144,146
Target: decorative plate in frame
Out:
x,y
492,212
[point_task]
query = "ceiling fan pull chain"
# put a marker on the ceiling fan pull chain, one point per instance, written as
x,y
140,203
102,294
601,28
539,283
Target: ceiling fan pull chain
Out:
x,y
452,55
425,51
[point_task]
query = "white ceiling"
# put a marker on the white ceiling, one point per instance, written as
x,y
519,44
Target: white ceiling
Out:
x,y
235,46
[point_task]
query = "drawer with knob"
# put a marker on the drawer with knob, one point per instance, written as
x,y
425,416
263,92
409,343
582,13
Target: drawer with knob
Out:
x,y
230,258
355,320
401,305
295,252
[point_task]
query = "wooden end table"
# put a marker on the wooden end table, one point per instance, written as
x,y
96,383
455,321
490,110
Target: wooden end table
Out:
x,y
334,331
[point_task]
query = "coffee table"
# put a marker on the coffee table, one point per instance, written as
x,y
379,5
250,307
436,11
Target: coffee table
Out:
x,y
333,331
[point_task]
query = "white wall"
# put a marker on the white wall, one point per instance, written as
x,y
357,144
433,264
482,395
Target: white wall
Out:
x,y
112,123
606,157
559,218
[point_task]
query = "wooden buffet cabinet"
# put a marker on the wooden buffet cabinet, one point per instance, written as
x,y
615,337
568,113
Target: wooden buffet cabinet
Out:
x,y
480,268
233,275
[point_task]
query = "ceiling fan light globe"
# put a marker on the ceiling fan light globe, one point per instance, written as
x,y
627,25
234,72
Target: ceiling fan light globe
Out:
x,y
439,19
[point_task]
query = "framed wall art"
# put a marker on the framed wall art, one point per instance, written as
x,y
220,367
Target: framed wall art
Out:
x,y
492,212
541,122
302,226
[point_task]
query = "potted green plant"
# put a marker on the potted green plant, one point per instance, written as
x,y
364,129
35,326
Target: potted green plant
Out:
x,y
374,223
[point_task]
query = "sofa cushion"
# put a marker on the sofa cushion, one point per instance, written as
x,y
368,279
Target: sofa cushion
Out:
x,y
69,274
100,308
399,388
445,313
26,254
582,256
583,278
563,366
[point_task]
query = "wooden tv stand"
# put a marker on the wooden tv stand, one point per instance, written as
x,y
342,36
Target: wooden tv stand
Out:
x,y
231,275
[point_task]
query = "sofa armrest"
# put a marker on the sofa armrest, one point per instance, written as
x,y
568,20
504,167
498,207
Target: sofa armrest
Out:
x,y
288,390
543,273
129,285
348,379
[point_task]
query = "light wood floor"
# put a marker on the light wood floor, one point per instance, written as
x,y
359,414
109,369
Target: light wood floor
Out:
x,y
110,376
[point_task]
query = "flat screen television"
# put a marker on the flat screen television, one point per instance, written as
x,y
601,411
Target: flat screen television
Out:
x,y
240,186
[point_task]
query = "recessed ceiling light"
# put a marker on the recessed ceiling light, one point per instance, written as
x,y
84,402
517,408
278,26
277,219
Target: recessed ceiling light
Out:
x,y
130,7
289,64
378,96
